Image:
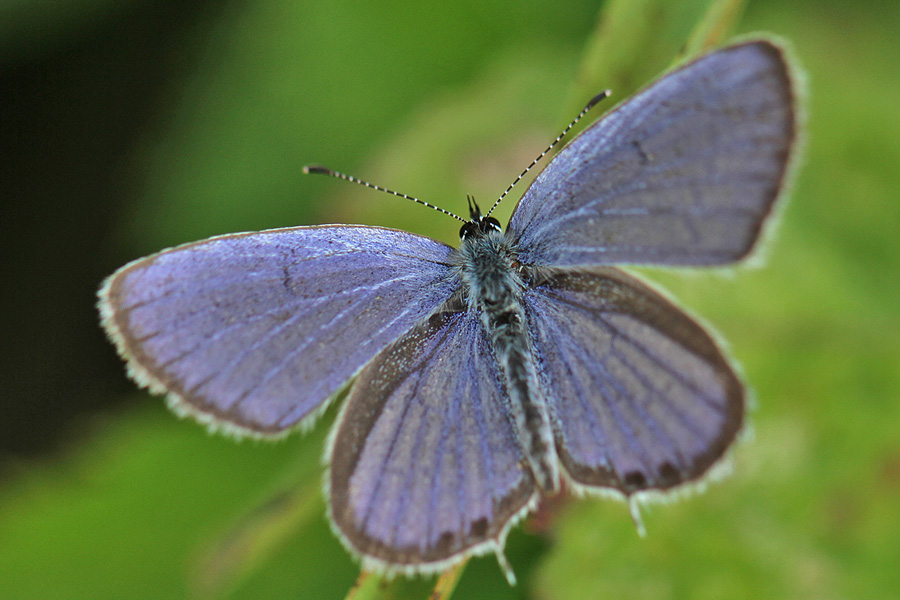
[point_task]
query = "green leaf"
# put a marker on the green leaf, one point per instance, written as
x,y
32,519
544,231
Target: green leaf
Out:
x,y
633,42
715,27
257,535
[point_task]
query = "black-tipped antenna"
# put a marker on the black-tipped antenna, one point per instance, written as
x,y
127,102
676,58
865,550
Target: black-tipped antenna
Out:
x,y
326,171
584,111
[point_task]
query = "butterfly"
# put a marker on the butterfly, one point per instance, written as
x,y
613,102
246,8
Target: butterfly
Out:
x,y
479,379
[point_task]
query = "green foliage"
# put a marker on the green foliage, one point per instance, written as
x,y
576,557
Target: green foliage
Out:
x,y
437,104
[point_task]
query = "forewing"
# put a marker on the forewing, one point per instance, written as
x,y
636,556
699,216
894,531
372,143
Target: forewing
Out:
x,y
683,173
425,468
642,397
253,332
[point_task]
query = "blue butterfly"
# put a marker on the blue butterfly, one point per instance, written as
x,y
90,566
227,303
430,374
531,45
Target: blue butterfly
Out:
x,y
486,376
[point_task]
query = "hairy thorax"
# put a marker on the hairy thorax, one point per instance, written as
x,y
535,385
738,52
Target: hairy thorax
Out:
x,y
490,270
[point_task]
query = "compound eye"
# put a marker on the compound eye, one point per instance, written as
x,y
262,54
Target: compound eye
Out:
x,y
492,223
466,229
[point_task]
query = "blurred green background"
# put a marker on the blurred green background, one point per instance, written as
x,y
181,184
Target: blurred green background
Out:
x,y
128,127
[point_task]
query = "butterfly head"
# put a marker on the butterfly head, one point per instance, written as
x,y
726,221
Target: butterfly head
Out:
x,y
477,224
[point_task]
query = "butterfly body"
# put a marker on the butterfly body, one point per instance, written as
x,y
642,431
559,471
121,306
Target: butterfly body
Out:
x,y
495,283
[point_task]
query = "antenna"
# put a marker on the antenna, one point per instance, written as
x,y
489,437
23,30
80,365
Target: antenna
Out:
x,y
326,171
584,111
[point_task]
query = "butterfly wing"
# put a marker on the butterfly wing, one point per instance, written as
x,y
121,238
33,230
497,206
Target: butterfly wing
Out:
x,y
253,332
683,173
428,468
641,396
